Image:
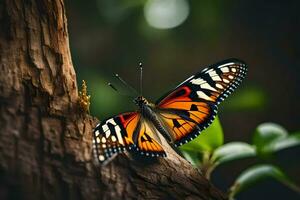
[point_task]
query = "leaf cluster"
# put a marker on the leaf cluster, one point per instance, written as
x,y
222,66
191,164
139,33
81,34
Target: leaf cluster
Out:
x,y
208,151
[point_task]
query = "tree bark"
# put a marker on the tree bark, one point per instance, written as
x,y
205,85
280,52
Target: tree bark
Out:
x,y
45,139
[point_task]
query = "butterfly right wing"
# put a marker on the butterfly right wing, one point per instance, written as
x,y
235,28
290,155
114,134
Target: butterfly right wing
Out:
x,y
147,141
192,106
115,135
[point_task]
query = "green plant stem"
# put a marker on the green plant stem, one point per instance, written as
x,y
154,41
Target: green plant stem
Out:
x,y
233,189
207,165
293,187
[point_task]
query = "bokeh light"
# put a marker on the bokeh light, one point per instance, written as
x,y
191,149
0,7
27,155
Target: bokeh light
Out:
x,y
166,14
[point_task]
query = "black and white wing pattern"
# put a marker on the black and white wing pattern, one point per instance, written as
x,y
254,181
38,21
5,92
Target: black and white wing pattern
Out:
x,y
127,131
114,135
192,105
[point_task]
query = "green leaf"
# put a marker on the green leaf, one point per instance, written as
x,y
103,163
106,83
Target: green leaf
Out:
x,y
283,143
267,133
258,173
232,151
193,157
208,140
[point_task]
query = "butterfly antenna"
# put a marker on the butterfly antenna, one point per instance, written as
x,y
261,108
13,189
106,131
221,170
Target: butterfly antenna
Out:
x,y
112,86
125,84
115,89
141,78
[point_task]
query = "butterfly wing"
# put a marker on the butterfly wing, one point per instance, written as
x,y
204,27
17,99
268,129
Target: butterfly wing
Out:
x,y
185,123
114,135
147,140
192,105
127,131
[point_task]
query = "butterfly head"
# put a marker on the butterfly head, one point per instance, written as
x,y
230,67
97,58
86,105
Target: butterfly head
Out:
x,y
140,100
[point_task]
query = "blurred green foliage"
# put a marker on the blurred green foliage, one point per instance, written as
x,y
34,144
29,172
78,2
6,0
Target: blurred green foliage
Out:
x,y
207,152
232,151
270,137
257,173
209,139
248,99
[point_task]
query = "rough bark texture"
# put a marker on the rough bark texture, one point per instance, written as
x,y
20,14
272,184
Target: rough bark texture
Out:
x,y
45,140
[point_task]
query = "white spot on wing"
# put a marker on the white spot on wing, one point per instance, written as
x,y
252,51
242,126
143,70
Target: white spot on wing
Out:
x,y
233,69
105,127
112,121
230,77
225,80
97,133
103,140
216,78
113,138
107,133
207,86
119,136
98,140
213,74
225,69
101,157
219,86
198,81
203,95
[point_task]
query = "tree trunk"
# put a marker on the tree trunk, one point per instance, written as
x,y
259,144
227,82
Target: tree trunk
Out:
x,y
45,139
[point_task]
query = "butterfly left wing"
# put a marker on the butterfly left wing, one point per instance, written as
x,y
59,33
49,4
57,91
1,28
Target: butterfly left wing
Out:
x,y
192,105
114,135
127,131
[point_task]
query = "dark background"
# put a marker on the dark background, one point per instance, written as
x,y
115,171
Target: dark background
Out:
x,y
112,36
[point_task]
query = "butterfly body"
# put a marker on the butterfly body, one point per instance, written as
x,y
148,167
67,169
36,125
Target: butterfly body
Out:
x,y
179,116
148,112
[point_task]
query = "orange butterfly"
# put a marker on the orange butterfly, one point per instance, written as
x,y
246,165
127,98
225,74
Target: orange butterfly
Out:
x,y
179,116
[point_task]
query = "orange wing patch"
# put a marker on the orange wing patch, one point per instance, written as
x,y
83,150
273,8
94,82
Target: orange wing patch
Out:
x,y
179,126
186,122
147,143
129,121
186,112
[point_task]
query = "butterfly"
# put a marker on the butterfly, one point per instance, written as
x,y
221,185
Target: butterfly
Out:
x,y
179,116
